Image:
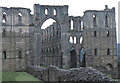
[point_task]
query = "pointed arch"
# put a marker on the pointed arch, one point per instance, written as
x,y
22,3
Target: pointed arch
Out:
x,y
94,20
4,55
81,40
108,51
82,25
46,11
4,17
106,20
71,39
75,40
107,33
95,33
3,32
19,17
71,25
55,12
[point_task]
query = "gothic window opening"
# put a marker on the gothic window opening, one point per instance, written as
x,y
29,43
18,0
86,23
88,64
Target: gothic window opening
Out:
x,y
71,24
46,11
75,40
55,12
106,21
4,18
81,40
107,33
4,55
109,67
95,51
71,39
95,34
82,25
94,20
3,33
108,51
20,54
19,17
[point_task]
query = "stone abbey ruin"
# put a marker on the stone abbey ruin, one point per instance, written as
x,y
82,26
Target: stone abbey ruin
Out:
x,y
70,42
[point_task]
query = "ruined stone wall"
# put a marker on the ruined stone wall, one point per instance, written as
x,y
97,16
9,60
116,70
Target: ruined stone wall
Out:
x,y
72,38
74,75
41,14
95,32
100,37
12,43
15,38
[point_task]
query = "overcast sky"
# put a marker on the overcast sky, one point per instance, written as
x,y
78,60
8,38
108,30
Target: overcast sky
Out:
x,y
76,7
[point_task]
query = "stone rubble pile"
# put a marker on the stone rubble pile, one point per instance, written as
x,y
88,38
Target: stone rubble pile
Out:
x,y
75,74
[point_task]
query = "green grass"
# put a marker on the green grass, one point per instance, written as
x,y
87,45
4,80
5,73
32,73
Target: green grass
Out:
x,y
18,76
113,79
109,75
117,80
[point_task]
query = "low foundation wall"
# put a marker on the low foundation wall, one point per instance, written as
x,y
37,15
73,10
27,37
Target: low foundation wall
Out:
x,y
75,74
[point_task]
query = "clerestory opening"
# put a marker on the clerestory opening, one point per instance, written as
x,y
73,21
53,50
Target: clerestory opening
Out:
x,y
71,39
81,40
19,17
4,55
55,12
4,18
94,20
46,11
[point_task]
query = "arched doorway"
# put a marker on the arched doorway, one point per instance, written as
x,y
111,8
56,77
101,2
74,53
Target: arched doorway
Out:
x,y
19,62
82,58
4,55
73,58
109,67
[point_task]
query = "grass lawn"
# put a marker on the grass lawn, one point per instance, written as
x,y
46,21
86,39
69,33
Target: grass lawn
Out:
x,y
117,80
18,76
114,79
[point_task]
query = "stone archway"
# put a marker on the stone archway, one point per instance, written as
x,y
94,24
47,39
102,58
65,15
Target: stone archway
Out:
x,y
73,58
109,67
43,13
57,20
82,57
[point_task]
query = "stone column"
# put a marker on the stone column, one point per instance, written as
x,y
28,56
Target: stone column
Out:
x,y
118,40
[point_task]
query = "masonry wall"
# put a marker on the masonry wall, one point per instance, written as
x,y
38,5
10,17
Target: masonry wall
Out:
x,y
75,74
15,38
100,37
49,46
94,33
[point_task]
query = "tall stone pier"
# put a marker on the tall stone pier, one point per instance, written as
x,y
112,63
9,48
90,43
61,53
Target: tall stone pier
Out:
x,y
118,40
